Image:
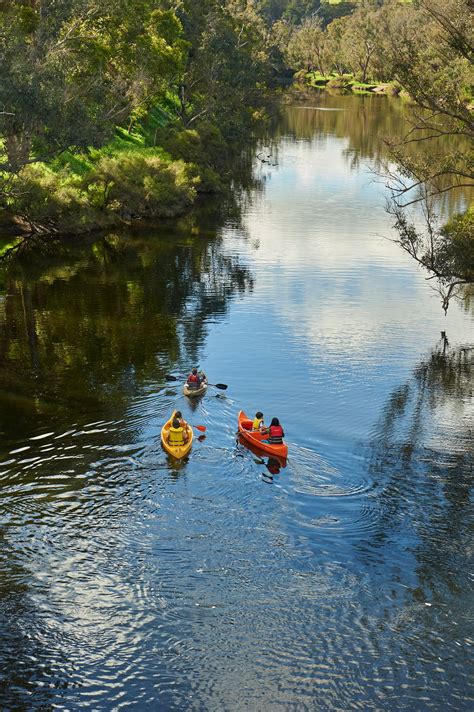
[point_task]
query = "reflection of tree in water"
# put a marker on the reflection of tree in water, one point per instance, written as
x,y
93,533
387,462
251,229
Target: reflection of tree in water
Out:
x,y
421,462
364,122
80,329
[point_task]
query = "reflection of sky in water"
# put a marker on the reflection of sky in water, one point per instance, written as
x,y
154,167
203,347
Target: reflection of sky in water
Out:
x,y
337,308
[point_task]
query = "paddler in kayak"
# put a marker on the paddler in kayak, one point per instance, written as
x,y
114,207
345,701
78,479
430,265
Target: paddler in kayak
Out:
x,y
194,379
182,421
177,435
275,432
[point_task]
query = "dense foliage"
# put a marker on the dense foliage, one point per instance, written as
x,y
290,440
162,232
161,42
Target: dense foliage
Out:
x,y
92,91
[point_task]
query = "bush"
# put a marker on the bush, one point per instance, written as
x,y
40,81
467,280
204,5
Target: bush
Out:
x,y
132,184
205,147
343,81
140,183
45,197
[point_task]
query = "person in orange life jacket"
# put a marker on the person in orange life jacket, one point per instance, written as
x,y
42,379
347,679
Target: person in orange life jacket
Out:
x,y
194,380
177,435
258,423
275,432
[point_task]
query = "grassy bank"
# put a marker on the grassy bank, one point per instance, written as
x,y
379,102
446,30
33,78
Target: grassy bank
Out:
x,y
156,170
347,82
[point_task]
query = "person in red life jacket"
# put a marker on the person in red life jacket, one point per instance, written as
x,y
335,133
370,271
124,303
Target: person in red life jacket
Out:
x,y
275,432
194,381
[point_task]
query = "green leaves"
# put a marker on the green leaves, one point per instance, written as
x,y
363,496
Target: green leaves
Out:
x,y
75,70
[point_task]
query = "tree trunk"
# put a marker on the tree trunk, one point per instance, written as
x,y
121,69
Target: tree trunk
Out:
x,y
17,147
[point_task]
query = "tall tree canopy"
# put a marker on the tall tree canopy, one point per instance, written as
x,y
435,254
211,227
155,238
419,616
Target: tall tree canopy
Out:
x,y
72,70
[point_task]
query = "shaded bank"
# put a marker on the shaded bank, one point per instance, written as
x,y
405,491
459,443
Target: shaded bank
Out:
x,y
127,181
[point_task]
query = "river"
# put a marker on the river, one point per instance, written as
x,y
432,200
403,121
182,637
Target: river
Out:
x,y
227,582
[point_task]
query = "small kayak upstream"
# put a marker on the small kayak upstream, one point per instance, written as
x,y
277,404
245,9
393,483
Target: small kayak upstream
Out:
x,y
195,392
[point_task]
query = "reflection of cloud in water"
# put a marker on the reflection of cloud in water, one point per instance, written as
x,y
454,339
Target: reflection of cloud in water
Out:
x,y
328,224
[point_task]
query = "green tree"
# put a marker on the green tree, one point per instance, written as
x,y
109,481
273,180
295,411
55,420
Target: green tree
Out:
x,y
334,43
227,65
72,70
438,75
359,42
307,48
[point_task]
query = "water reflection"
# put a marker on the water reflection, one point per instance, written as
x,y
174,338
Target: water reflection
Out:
x,y
364,123
80,331
422,458
129,581
421,463
273,465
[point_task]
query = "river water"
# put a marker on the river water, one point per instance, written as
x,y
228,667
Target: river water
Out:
x,y
339,581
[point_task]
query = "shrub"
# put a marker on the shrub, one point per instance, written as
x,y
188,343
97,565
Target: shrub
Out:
x,y
140,183
137,183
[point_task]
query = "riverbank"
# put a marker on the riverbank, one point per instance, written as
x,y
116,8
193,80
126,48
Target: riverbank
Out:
x,y
155,171
347,82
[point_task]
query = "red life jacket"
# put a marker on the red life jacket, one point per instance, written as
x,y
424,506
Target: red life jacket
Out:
x,y
193,378
276,434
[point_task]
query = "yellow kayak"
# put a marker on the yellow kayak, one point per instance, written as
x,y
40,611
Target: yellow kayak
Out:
x,y
177,451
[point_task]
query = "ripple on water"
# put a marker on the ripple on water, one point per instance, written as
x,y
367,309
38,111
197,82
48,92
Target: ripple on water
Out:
x,y
314,476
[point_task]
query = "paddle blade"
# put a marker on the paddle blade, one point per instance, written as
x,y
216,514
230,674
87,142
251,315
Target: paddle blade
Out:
x,y
222,386
169,377
202,428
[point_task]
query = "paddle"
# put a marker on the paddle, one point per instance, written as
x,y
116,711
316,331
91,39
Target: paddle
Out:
x,y
202,428
222,386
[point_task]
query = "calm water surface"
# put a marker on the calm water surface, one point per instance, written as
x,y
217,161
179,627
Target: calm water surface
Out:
x,y
341,581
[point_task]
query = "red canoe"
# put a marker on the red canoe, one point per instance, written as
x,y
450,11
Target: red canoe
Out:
x,y
256,438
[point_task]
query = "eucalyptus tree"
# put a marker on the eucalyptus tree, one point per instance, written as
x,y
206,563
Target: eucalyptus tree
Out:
x,y
72,70
308,46
227,63
436,72
360,40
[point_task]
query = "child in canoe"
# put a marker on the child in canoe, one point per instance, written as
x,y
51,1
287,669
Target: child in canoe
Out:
x,y
179,415
257,423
